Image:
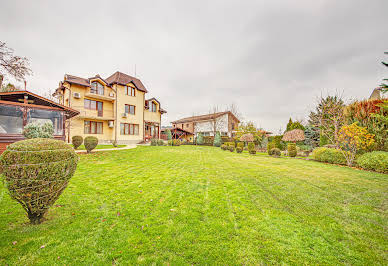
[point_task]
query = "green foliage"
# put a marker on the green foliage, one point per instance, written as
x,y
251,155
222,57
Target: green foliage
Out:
x,y
36,171
294,125
176,142
250,128
230,144
270,146
231,148
169,142
323,140
275,152
251,148
217,140
291,148
200,139
224,147
376,161
77,141
169,136
90,143
239,150
311,134
208,140
240,145
154,142
277,140
160,142
329,155
36,130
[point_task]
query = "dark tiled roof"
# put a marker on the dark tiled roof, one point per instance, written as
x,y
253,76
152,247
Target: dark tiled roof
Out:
x,y
201,117
77,80
123,79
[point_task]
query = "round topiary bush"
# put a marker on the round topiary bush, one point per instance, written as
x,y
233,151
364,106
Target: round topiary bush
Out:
x,y
176,142
160,142
239,150
154,142
169,142
36,171
231,148
90,143
275,152
291,148
77,141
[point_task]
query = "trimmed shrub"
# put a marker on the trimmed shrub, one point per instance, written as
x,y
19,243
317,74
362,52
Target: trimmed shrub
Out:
x,y
270,146
169,142
239,150
160,142
291,148
154,142
231,148
251,148
240,145
176,142
36,171
329,155
230,144
77,141
90,143
275,152
375,160
217,140
208,140
36,130
224,147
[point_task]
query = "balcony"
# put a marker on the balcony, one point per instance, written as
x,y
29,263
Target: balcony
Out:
x,y
104,115
100,97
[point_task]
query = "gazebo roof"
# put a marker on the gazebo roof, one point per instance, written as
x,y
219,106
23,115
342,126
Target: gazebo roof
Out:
x,y
247,137
294,135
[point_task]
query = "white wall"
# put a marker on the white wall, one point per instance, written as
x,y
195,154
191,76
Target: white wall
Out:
x,y
207,126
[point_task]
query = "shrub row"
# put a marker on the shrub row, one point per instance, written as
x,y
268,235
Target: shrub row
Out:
x,y
375,160
157,142
328,155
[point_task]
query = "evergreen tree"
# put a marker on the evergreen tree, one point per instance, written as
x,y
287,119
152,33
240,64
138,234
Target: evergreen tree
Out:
x,y
199,139
289,125
217,140
312,136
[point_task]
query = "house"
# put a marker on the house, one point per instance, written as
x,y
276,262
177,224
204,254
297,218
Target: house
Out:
x,y
114,109
224,122
18,108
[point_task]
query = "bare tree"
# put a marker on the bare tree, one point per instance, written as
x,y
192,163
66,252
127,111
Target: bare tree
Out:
x,y
16,66
329,116
235,111
215,120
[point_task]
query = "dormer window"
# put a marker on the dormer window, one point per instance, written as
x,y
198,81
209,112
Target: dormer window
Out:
x,y
153,107
97,88
130,91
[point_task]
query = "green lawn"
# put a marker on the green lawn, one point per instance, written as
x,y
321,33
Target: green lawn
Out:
x,y
202,205
101,146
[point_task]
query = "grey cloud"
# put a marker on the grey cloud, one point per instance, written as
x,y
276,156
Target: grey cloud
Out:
x,y
271,58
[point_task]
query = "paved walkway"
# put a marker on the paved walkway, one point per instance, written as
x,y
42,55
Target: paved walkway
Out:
x,y
131,146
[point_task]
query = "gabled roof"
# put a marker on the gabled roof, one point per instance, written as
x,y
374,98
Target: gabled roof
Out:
x,y
123,79
15,96
77,80
160,107
100,78
203,117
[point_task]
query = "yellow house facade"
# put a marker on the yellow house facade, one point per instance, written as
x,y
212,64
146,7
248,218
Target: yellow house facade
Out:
x,y
113,109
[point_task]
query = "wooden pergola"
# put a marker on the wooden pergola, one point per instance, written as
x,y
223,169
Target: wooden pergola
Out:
x,y
178,133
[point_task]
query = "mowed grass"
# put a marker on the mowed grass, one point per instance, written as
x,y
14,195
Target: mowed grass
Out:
x,y
202,205
101,146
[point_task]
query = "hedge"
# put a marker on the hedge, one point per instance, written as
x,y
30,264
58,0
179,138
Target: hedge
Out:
x,y
375,160
329,155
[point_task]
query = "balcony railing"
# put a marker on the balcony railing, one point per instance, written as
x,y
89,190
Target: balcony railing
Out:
x,y
99,96
94,114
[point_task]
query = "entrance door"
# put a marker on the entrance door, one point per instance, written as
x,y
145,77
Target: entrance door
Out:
x,y
99,109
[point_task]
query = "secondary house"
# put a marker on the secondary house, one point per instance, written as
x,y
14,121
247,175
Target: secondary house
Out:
x,y
18,108
224,122
114,109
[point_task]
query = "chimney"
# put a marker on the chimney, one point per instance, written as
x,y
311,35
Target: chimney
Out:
x,y
25,85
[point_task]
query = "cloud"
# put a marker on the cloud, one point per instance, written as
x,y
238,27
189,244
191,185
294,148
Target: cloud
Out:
x,y
271,58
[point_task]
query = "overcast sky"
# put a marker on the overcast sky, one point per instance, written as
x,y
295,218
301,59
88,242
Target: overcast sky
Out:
x,y
270,58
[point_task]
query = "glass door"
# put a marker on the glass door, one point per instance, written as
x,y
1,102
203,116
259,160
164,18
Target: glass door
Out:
x,y
99,109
